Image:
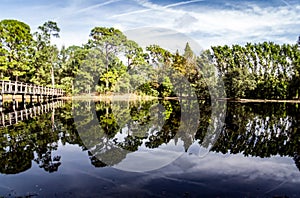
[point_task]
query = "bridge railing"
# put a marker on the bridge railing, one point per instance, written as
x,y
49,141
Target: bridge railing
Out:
x,y
15,87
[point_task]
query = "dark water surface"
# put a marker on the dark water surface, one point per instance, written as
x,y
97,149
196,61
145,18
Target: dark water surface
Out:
x,y
137,149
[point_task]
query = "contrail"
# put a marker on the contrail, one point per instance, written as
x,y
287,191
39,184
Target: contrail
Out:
x,y
181,3
286,3
130,13
88,8
276,187
158,7
96,6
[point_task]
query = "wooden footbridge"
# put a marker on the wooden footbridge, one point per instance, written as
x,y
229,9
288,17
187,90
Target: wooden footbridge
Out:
x,y
40,93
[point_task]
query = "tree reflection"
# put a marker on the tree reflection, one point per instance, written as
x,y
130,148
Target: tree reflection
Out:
x,y
32,140
16,154
262,130
170,128
133,121
36,138
254,129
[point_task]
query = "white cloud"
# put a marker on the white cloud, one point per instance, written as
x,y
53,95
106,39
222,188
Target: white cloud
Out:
x,y
225,173
206,23
186,21
213,26
166,38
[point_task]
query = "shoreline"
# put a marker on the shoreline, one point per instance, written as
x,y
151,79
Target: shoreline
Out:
x,y
109,97
244,100
135,97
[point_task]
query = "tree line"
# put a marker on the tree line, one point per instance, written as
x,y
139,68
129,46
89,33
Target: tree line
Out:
x,y
110,62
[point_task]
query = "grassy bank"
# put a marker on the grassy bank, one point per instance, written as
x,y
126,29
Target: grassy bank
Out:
x,y
109,97
135,97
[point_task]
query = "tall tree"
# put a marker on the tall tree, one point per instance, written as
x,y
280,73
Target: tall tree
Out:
x,y
46,54
69,64
15,49
134,54
110,42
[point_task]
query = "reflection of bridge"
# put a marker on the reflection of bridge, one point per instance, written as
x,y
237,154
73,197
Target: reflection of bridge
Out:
x,y
10,118
24,89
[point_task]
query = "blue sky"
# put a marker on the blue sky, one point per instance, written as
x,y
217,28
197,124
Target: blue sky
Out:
x,y
208,22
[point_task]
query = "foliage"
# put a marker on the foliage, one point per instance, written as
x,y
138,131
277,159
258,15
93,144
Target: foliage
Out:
x,y
109,62
264,70
45,59
15,49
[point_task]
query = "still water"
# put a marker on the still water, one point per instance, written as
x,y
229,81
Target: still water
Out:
x,y
141,149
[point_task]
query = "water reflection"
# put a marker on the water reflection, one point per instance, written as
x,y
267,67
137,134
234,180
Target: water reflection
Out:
x,y
127,128
124,127
11,116
262,130
31,135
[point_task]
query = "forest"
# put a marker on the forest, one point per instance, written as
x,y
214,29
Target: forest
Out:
x,y
111,63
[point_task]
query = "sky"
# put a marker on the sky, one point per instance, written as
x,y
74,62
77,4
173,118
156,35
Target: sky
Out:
x,y
206,22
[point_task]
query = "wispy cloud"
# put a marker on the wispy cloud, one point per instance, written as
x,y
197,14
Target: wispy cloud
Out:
x,y
150,6
87,9
286,3
208,22
211,25
182,3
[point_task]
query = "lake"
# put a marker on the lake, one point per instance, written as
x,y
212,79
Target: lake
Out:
x,y
157,148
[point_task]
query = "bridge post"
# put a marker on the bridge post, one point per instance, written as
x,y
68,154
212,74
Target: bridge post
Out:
x,y
37,99
23,100
1,102
14,101
17,104
31,100
3,118
14,91
1,96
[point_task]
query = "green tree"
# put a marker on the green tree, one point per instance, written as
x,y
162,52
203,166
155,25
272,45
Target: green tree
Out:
x,y
70,62
135,55
166,88
90,67
110,42
46,55
15,49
